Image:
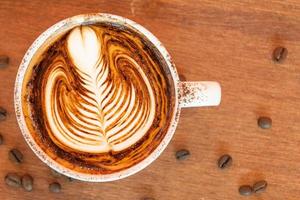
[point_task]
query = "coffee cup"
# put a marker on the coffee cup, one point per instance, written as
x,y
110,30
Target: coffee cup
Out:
x,y
41,117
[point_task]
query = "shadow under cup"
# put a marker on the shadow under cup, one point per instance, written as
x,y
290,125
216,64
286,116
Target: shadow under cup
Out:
x,y
129,53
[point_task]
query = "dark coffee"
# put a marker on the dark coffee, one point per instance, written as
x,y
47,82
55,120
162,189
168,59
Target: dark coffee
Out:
x,y
260,186
245,190
15,156
4,61
224,161
27,182
264,122
55,187
13,180
99,98
3,114
182,154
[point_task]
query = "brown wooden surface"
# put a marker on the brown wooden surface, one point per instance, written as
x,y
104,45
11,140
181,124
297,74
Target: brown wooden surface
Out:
x,y
227,41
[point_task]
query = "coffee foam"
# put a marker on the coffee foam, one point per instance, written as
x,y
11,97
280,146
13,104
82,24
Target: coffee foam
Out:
x,y
100,98
109,116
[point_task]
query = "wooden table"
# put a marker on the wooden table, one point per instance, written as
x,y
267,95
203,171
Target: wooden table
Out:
x,y
228,41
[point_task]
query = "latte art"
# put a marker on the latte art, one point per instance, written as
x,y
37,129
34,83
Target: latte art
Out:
x,y
112,107
99,98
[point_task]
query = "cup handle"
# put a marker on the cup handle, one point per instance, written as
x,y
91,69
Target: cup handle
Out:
x,y
198,94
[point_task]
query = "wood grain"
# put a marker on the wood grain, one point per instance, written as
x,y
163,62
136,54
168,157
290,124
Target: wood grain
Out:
x,y
227,41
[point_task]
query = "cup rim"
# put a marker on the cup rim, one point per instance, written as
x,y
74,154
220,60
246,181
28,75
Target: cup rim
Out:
x,y
64,25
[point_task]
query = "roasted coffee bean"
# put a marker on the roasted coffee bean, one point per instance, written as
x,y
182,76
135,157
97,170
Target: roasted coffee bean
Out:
x,y
3,113
245,190
224,161
15,156
264,122
182,154
260,186
13,180
55,187
1,139
280,54
27,182
4,61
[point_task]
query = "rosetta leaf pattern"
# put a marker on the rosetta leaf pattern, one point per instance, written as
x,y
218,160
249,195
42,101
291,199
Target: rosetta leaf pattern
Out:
x,y
110,113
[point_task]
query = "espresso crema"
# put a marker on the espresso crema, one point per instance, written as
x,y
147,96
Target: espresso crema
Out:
x,y
98,98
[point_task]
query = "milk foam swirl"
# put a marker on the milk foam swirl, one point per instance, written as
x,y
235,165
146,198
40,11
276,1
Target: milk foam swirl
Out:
x,y
114,105
99,98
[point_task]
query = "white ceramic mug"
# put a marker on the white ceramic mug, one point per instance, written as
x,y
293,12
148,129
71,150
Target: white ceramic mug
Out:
x,y
187,94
